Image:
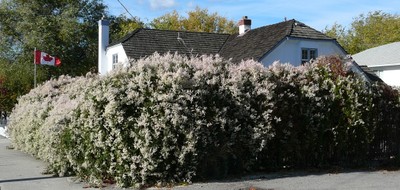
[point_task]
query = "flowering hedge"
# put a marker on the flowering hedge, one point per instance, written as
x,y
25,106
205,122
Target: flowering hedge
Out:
x,y
168,119
40,117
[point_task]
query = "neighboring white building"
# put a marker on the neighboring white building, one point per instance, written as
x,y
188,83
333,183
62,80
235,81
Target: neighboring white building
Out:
x,y
384,61
288,42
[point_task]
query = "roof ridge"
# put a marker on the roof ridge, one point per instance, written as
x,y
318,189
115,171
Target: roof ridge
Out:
x,y
131,34
154,29
299,27
270,25
225,42
377,48
290,31
125,38
381,46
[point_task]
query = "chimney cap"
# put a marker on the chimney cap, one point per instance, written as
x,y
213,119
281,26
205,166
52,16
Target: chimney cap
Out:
x,y
104,22
245,21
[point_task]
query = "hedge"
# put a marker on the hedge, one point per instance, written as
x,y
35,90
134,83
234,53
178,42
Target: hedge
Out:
x,y
170,119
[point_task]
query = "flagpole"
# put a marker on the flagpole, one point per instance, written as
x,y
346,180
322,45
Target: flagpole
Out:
x,y
34,72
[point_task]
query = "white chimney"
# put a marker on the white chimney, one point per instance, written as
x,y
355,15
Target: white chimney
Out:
x,y
103,43
244,25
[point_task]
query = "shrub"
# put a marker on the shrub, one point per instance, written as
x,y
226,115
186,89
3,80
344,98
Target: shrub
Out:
x,y
40,117
168,119
165,119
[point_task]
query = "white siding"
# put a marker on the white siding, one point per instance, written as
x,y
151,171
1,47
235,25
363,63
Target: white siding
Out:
x,y
289,51
389,76
116,49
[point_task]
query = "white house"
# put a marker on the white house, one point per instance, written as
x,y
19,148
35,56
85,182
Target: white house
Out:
x,y
384,61
288,42
145,42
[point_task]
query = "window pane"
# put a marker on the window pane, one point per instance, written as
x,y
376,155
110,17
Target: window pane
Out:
x,y
313,53
115,58
304,54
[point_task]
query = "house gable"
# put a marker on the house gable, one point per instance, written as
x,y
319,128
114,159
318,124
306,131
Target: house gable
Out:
x,y
257,44
115,56
289,50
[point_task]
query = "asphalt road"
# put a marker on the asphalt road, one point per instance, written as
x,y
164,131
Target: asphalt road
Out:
x,y
304,181
19,171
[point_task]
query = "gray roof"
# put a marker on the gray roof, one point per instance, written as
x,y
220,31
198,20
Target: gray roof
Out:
x,y
385,55
144,42
254,44
369,73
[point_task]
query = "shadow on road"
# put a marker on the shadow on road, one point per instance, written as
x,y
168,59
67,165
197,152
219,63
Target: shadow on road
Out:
x,y
26,179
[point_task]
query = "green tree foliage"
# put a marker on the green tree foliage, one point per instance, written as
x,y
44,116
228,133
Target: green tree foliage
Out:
x,y
169,21
121,26
198,20
339,32
367,31
15,81
66,29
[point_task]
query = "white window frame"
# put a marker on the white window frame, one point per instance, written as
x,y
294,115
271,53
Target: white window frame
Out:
x,y
114,60
308,56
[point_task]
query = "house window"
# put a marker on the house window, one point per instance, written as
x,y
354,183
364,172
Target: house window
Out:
x,y
114,60
307,54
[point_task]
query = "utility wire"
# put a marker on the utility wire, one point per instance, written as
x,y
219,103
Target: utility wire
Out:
x,y
126,9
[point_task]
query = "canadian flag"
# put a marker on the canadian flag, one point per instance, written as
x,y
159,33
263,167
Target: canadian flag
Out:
x,y
42,58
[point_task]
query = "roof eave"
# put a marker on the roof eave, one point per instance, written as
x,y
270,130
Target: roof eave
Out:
x,y
304,38
113,45
385,66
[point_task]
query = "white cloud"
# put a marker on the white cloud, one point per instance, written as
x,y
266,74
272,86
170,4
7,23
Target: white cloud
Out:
x,y
161,4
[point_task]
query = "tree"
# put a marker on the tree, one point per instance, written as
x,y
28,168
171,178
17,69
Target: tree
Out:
x,y
66,29
339,32
169,21
121,26
15,80
367,31
198,20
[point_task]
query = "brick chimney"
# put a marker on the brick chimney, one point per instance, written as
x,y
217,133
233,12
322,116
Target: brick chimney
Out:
x,y
103,43
244,25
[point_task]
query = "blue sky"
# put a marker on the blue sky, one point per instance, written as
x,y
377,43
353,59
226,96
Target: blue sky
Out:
x,y
315,13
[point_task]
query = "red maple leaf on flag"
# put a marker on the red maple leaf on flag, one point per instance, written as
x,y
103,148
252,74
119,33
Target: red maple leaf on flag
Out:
x,y
42,58
47,58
